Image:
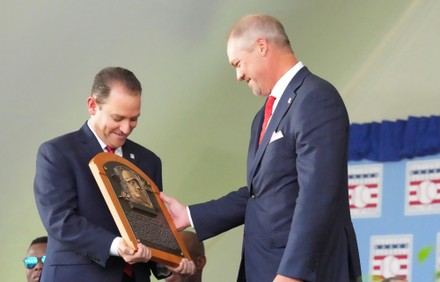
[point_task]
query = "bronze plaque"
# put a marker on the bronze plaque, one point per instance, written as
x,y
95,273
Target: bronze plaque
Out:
x,y
138,210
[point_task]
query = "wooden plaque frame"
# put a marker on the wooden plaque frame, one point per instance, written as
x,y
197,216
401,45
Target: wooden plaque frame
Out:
x,y
144,218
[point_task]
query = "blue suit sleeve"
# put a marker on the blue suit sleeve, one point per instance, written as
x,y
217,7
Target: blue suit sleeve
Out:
x,y
56,194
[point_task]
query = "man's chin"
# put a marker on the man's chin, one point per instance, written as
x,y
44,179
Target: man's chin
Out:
x,y
257,92
118,142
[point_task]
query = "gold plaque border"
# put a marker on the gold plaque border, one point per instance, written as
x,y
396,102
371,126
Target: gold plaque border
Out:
x,y
97,166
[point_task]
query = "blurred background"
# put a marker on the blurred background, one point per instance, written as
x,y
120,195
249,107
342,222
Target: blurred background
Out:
x,y
381,55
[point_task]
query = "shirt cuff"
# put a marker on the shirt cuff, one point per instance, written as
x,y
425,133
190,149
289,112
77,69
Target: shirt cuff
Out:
x,y
114,247
189,216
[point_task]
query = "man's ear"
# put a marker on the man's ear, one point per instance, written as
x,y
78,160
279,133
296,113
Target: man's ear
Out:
x,y
91,105
262,45
201,262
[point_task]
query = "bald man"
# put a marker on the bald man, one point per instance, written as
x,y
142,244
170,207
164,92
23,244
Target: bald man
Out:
x,y
196,250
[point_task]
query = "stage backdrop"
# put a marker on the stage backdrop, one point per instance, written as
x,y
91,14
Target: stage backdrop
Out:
x,y
394,189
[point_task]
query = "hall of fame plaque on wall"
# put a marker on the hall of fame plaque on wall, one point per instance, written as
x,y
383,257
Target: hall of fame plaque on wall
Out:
x,y
139,212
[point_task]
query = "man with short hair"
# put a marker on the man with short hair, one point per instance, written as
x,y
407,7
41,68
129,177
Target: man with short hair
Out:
x,y
84,241
295,210
35,257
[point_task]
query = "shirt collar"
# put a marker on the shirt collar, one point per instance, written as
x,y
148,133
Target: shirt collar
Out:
x,y
282,83
118,151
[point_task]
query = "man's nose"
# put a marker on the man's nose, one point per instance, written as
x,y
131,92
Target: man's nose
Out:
x,y
240,75
125,127
39,266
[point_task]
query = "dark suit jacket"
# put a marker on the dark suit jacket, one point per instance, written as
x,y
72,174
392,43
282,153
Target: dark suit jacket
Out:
x,y
79,225
295,206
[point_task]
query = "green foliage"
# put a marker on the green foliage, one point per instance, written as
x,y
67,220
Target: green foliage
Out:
x,y
424,253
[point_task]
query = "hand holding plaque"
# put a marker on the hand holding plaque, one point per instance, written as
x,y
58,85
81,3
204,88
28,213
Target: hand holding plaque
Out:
x,y
139,213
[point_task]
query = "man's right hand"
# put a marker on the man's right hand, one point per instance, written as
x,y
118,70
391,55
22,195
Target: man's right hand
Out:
x,y
177,211
142,254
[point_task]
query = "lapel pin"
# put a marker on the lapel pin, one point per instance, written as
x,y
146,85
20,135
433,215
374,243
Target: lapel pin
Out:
x,y
132,156
290,101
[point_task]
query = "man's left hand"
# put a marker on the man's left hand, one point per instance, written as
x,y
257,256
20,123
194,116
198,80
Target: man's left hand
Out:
x,y
186,267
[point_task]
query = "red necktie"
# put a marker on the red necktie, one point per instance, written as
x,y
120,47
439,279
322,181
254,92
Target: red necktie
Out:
x,y
267,115
110,149
128,269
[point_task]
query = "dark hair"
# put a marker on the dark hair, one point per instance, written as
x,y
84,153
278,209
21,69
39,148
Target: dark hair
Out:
x,y
39,240
107,77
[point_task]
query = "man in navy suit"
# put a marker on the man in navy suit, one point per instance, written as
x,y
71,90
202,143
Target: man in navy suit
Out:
x,y
295,211
84,242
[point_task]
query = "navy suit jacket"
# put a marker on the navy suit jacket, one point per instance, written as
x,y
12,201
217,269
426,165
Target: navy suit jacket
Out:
x,y
295,207
78,222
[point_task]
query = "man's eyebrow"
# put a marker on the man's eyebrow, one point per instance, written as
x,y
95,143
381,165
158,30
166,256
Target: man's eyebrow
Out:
x,y
234,63
121,116
117,116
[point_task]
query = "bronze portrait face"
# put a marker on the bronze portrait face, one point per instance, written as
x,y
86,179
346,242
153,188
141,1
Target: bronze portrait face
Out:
x,y
135,190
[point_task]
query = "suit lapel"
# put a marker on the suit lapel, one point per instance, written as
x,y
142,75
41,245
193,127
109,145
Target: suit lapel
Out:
x,y
89,142
92,146
128,152
255,134
283,106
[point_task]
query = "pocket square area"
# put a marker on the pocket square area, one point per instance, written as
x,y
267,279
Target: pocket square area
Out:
x,y
276,135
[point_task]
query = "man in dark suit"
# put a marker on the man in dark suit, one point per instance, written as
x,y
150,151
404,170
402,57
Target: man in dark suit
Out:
x,y
84,242
297,224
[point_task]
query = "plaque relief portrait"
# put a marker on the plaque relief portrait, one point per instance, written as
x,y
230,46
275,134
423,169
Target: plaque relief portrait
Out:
x,y
135,190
